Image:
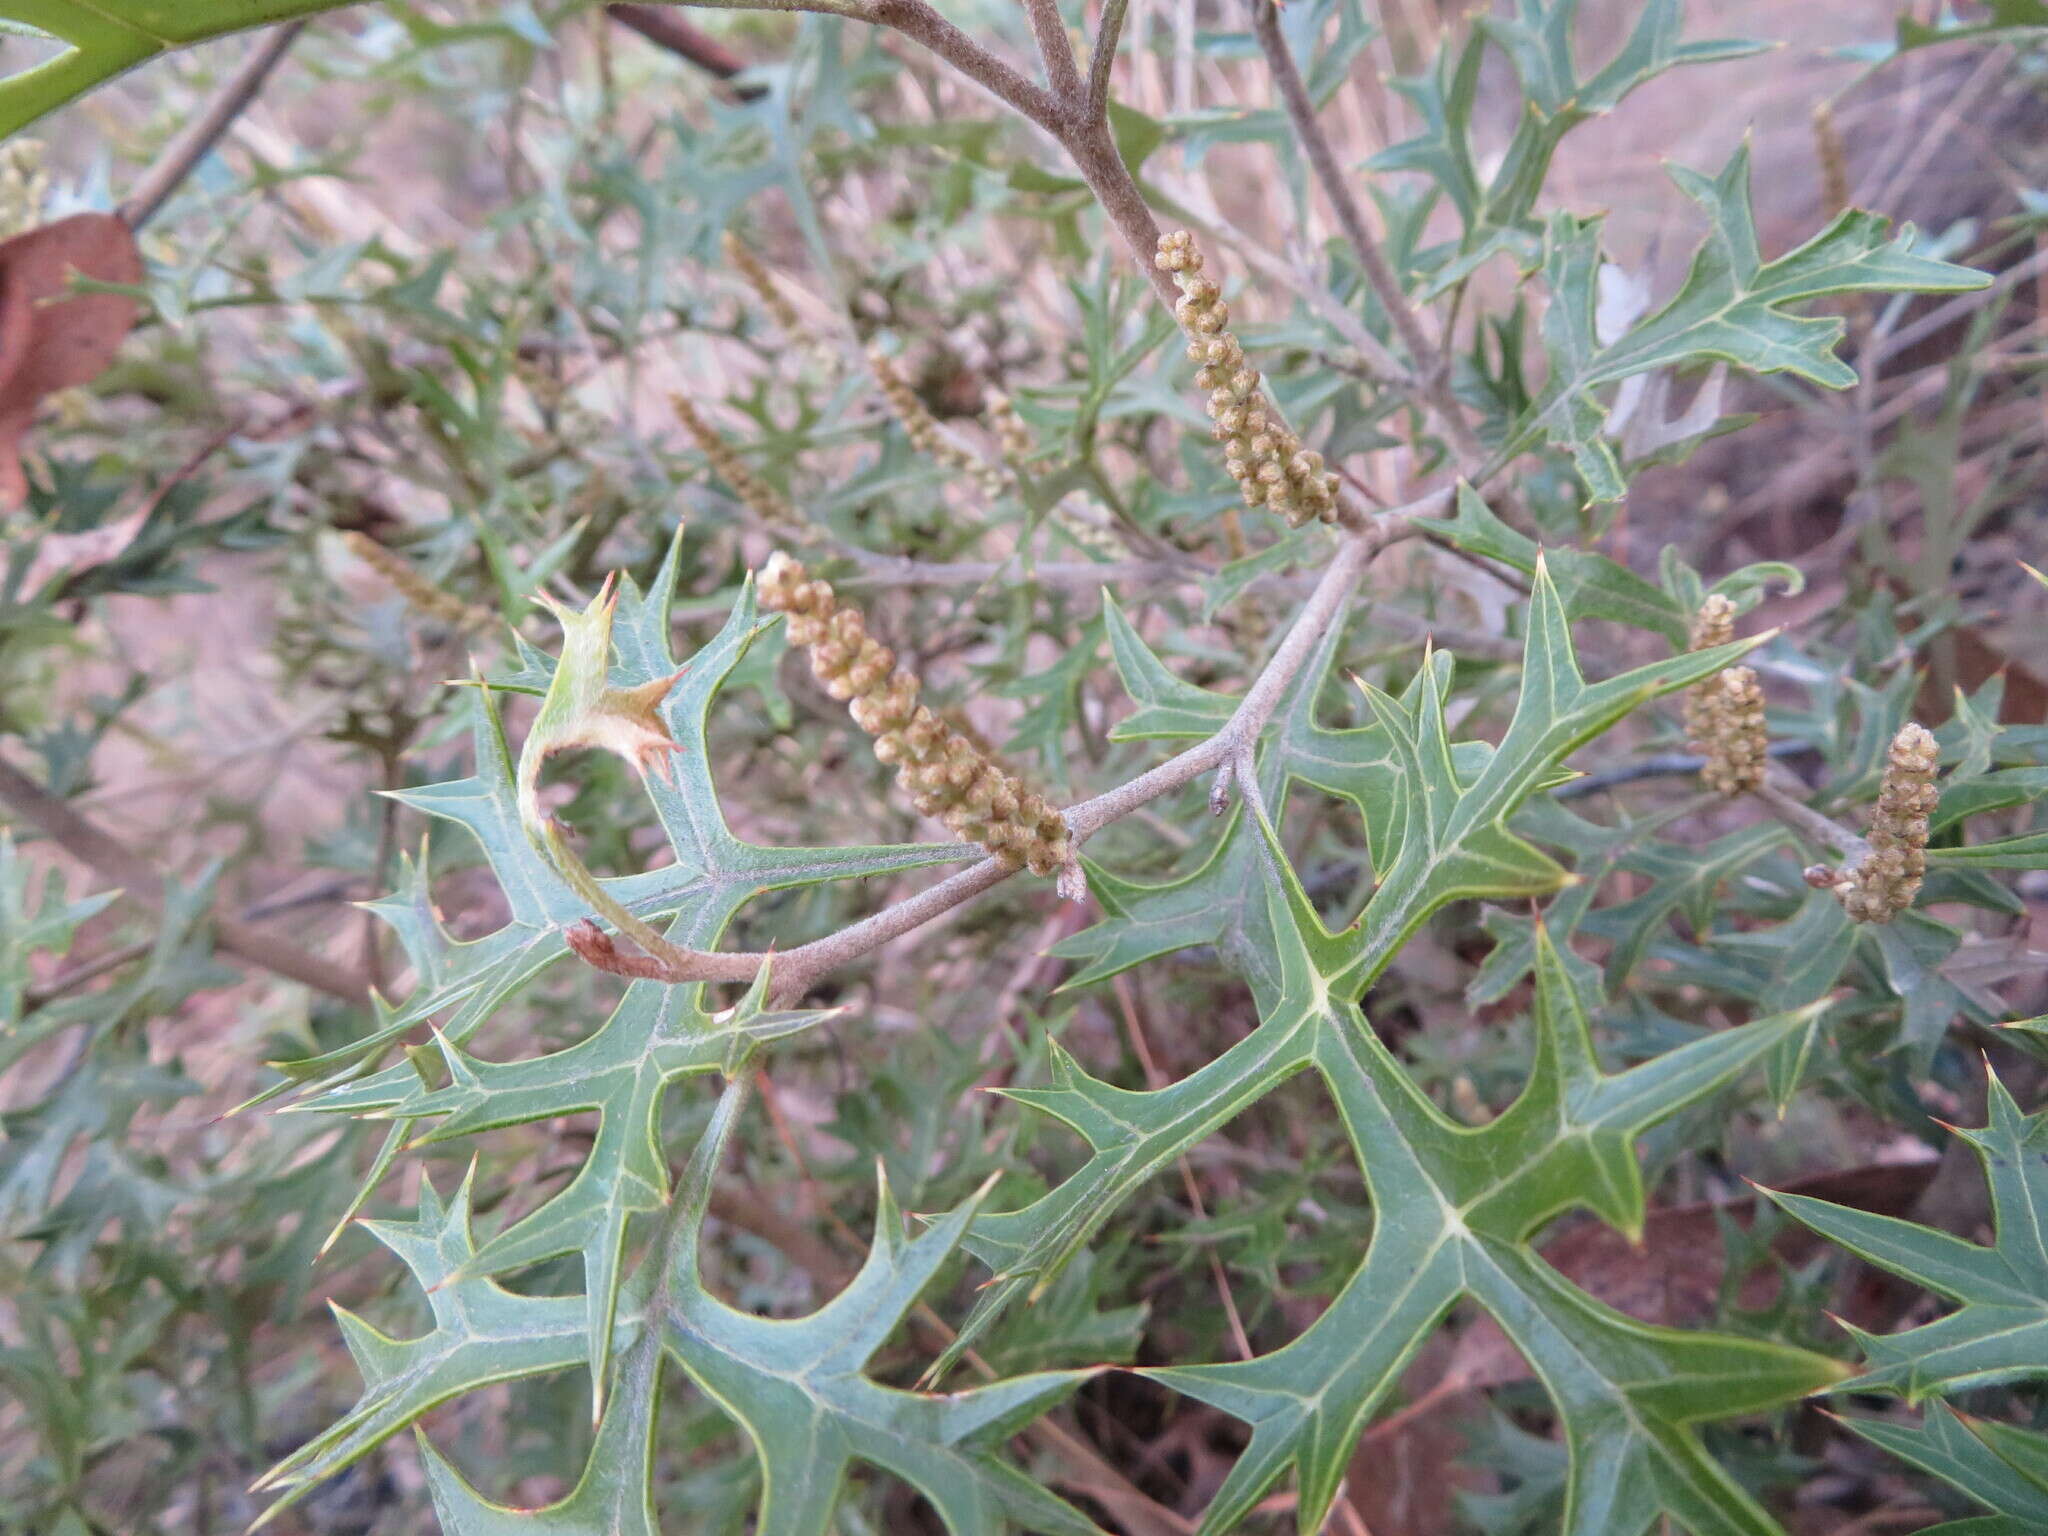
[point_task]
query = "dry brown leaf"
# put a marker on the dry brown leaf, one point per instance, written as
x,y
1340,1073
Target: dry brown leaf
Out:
x,y
50,337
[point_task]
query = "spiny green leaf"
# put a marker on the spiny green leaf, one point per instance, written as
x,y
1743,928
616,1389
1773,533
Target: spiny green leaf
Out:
x,y
2000,1332
799,1388
1438,833
1731,308
622,1072
481,1334
713,876
1458,1206
1538,40
2006,1469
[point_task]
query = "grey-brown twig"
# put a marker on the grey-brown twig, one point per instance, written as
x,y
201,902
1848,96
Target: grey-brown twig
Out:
x,y
797,970
116,863
204,131
1431,374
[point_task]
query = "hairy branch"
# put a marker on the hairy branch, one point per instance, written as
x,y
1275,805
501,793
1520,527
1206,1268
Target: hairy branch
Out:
x,y
1103,59
1050,32
1776,792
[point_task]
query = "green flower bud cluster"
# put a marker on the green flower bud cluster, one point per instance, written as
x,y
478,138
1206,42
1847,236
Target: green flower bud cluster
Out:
x,y
1267,460
1886,881
766,503
949,776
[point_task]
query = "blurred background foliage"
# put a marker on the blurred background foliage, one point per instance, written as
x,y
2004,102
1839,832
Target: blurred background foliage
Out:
x,y
407,346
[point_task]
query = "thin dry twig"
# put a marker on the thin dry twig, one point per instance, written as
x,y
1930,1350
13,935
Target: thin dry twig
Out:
x,y
116,863
204,131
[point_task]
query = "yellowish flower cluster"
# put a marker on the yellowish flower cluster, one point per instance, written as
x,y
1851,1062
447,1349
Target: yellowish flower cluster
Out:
x,y
1885,883
766,503
1013,438
1724,716
741,258
1267,460
924,431
949,776
415,588
24,183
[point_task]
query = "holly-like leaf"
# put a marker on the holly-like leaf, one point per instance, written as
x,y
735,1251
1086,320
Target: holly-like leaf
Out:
x,y
1999,1333
110,36
799,1388
622,1071
713,875
1731,308
1538,41
482,1333
1438,830
2000,1467
1458,1208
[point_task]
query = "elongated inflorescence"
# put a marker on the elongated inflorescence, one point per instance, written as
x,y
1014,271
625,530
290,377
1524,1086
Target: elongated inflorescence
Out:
x,y
1886,881
740,256
766,503
949,776
924,431
403,575
1269,463
1013,437
1724,715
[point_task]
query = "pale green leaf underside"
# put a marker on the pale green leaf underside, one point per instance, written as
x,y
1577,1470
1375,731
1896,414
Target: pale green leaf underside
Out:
x,y
1732,308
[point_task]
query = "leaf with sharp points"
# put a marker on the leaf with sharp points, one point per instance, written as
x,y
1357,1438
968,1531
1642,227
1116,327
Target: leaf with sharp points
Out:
x,y
622,1072
713,876
1538,40
1593,586
1438,832
799,1387
481,1334
2002,1468
1731,308
110,36
1458,1206
1999,1333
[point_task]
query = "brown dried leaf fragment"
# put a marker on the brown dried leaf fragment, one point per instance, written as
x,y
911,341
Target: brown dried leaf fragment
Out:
x,y
52,338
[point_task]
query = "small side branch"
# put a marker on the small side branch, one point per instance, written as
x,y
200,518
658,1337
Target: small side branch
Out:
x,y
663,28
204,131
1432,377
1103,59
115,863
1810,824
1057,51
